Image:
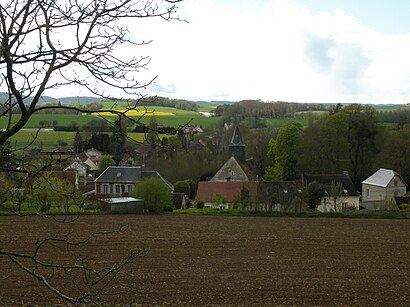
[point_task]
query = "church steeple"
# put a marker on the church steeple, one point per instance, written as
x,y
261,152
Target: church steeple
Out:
x,y
236,146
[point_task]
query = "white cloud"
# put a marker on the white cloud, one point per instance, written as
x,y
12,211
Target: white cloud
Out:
x,y
273,51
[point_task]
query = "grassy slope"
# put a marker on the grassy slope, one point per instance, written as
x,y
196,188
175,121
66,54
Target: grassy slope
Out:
x,y
179,117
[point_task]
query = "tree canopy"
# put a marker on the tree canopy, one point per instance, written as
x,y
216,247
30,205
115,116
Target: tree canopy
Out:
x,y
155,193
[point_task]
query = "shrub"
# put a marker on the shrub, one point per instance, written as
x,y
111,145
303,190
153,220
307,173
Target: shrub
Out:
x,y
200,204
404,207
182,187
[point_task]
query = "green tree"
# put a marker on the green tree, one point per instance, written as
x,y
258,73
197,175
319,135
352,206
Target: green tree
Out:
x,y
52,192
78,142
105,161
152,134
182,187
336,192
155,193
119,138
364,135
313,194
245,198
395,153
347,140
324,147
284,152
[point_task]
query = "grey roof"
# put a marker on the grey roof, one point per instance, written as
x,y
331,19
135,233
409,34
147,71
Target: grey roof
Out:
x,y
120,174
344,179
155,174
230,171
121,200
236,138
129,174
381,178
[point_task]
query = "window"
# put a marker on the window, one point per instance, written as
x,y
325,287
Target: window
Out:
x,y
105,188
117,189
345,205
368,193
129,188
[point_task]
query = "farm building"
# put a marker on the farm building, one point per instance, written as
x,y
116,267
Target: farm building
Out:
x,y
380,189
347,198
124,204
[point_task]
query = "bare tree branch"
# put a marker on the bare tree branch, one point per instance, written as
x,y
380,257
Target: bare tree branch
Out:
x,y
48,44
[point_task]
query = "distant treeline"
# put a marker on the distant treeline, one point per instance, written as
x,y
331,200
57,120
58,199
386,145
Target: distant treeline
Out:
x,y
400,117
60,109
258,108
160,130
180,104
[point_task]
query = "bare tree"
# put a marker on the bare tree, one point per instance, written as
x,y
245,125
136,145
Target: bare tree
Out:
x,y
49,44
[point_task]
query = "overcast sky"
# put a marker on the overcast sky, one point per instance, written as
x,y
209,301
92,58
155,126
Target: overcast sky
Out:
x,y
290,50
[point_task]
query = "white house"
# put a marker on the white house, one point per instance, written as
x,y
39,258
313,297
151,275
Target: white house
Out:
x,y
347,199
379,190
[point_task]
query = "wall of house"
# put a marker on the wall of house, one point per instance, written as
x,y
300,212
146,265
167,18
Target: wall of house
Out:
x,y
112,190
371,193
127,207
380,197
395,188
343,203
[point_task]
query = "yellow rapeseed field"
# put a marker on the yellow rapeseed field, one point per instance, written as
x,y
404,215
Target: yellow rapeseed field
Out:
x,y
135,113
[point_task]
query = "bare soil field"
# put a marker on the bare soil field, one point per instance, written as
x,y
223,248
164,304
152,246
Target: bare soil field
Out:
x,y
222,261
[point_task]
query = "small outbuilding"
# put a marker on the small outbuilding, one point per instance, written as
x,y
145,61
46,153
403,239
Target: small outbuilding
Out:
x,y
124,204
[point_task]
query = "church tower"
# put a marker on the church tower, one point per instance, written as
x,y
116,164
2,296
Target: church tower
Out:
x,y
236,146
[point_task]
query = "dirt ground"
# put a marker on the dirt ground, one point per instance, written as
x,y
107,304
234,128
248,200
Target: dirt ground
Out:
x,y
221,261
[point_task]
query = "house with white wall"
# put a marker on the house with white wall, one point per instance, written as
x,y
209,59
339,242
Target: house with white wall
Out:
x,y
380,189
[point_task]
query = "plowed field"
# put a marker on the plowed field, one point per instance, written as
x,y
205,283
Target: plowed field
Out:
x,y
222,261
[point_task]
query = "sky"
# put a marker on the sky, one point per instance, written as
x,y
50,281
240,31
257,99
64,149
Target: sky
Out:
x,y
324,51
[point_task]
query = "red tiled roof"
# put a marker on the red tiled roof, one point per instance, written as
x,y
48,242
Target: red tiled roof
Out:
x,y
228,190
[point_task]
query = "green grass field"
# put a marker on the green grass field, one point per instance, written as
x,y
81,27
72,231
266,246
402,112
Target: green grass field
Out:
x,y
178,118
50,139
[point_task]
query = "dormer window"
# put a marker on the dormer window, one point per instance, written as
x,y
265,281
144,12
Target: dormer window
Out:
x,y
345,191
119,174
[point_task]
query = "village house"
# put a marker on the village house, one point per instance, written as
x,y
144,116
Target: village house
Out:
x,y
119,181
347,198
380,189
85,163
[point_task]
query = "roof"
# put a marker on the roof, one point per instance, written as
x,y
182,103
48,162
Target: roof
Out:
x,y
121,200
129,174
230,171
236,138
382,178
155,174
228,190
120,174
344,179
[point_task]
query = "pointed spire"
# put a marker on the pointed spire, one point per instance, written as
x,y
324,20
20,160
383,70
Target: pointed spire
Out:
x,y
236,137
236,146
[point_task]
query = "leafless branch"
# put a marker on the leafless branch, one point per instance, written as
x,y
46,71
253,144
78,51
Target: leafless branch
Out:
x,y
89,281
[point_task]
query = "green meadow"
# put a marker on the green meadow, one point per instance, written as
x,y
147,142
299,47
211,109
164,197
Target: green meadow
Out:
x,y
173,117
47,139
